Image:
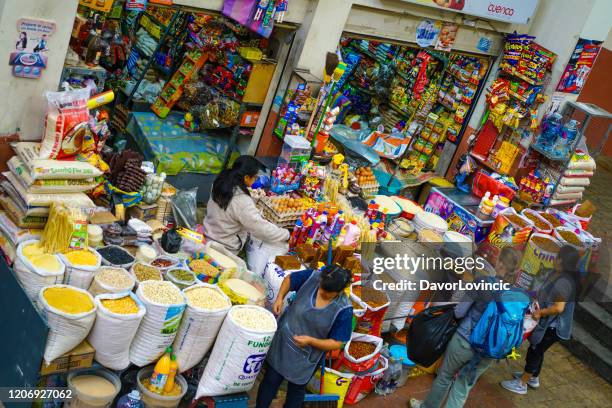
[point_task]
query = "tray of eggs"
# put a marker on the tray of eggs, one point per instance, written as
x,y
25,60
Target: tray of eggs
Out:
x,y
284,210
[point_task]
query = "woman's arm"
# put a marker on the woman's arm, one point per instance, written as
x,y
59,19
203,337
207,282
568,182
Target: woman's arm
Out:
x,y
556,309
321,344
282,292
251,220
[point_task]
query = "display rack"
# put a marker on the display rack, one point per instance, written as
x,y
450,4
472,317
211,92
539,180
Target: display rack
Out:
x,y
81,68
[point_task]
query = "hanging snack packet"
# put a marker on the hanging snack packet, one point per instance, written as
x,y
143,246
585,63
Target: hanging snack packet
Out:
x,y
66,124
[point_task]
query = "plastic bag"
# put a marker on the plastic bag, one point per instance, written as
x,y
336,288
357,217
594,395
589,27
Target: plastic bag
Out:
x,y
66,124
184,207
429,334
171,241
259,253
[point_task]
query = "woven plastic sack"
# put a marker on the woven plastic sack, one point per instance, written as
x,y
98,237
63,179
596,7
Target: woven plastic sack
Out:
x,y
66,331
363,384
198,330
158,328
32,278
236,358
80,276
112,333
259,253
361,364
98,287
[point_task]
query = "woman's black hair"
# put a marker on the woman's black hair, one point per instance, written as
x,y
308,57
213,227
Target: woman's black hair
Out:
x,y
335,278
569,258
230,179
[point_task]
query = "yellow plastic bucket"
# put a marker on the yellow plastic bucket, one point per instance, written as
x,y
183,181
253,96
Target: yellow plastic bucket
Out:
x,y
334,382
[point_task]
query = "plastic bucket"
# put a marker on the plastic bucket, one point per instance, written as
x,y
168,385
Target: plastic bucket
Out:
x,y
83,400
153,400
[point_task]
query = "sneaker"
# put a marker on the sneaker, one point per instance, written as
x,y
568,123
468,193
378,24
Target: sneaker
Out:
x,y
415,403
534,382
515,386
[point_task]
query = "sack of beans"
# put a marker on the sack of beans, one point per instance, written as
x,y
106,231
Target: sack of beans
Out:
x,y
70,314
144,271
363,384
538,259
509,230
81,266
374,304
360,354
118,316
114,255
165,305
109,279
36,269
206,308
239,351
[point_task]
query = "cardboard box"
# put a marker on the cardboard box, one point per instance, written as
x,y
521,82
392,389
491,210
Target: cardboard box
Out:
x,y
143,212
82,356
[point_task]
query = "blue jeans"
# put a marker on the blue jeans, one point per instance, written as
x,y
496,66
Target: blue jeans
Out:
x,y
451,376
269,387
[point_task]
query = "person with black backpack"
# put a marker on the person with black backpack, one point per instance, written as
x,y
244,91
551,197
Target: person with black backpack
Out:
x,y
556,299
463,364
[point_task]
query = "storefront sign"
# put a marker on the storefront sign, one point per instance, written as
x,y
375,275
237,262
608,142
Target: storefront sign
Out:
x,y
29,58
510,11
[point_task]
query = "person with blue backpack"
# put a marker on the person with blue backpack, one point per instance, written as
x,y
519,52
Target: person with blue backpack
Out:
x,y
481,337
556,299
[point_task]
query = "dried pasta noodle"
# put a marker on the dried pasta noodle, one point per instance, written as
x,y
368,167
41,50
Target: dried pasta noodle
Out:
x,y
58,230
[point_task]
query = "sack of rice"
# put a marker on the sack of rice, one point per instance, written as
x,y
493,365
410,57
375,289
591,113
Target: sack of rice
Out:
x,y
111,280
117,319
165,305
36,269
207,306
274,276
81,266
70,313
239,351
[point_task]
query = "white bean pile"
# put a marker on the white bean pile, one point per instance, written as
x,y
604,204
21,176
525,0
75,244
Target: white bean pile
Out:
x,y
206,298
116,278
161,292
254,318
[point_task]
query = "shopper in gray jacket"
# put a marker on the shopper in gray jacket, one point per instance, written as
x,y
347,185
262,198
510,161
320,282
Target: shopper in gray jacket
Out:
x,y
231,214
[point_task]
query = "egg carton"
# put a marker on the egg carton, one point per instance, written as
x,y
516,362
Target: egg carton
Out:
x,y
370,190
285,220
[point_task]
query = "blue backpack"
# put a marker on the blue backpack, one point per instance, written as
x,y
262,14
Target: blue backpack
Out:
x,y
500,328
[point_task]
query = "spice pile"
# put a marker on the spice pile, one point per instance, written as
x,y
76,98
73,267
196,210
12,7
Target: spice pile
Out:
x,y
516,220
569,237
162,292
206,298
163,263
539,223
68,300
145,272
554,221
545,244
124,305
254,318
359,349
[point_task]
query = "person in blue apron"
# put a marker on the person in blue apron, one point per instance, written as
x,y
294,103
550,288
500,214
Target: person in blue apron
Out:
x,y
318,320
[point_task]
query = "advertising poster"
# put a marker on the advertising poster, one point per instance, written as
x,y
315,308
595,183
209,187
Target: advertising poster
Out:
x,y
447,36
578,67
31,46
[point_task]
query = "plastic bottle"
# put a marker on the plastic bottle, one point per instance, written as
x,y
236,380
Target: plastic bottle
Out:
x,y
352,233
131,400
570,130
171,375
161,372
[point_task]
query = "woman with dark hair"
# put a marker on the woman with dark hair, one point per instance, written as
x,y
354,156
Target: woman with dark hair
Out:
x,y
556,299
231,213
318,320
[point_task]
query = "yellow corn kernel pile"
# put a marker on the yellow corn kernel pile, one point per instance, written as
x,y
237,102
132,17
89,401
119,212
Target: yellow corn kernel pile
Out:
x,y
124,305
68,300
82,257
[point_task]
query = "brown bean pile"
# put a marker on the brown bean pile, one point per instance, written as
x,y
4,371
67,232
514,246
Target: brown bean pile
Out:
x,y
541,225
374,298
570,237
359,349
554,221
546,244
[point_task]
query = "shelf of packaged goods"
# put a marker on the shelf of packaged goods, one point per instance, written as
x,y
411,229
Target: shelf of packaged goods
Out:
x,y
517,96
369,54
155,20
398,110
515,73
361,89
483,161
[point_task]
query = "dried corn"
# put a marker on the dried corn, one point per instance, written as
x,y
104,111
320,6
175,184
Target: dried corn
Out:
x,y
206,298
254,318
82,257
124,305
161,292
68,300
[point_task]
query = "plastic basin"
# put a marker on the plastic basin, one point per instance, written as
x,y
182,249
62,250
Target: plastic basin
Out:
x,y
83,400
153,400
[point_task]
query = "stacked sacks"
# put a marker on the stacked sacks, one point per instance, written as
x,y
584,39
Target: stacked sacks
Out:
x,y
575,178
32,184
